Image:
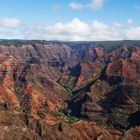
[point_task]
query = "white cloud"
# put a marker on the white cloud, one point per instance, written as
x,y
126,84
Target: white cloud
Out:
x,y
96,4
133,33
75,30
76,6
9,22
93,4
130,21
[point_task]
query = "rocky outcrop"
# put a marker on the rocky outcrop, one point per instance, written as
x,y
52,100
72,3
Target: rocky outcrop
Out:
x,y
19,126
16,126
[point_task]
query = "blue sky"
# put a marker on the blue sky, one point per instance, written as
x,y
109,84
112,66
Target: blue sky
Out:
x,y
70,19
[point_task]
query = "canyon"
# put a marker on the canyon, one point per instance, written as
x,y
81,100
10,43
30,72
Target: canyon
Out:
x,y
53,90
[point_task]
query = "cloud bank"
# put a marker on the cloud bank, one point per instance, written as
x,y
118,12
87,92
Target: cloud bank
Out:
x,y
75,30
12,23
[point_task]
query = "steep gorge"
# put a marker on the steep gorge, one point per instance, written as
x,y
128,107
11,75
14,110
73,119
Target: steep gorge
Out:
x,y
59,89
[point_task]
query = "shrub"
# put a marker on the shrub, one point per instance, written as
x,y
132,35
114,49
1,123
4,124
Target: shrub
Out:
x,y
65,115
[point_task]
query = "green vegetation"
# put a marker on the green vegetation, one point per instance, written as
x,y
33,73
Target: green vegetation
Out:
x,y
17,109
103,66
27,107
19,43
41,114
98,82
65,116
40,89
85,86
24,101
70,85
17,87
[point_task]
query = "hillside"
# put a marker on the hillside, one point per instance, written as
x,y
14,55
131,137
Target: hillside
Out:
x,y
53,90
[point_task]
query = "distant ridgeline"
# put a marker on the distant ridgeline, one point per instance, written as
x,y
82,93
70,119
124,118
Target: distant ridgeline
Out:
x,y
107,45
